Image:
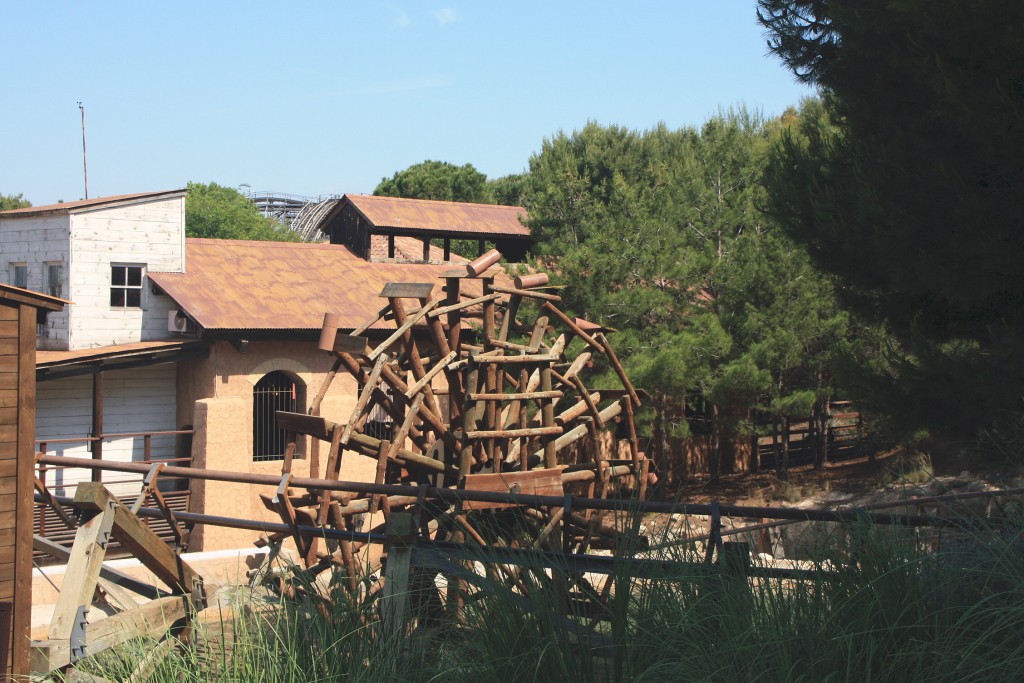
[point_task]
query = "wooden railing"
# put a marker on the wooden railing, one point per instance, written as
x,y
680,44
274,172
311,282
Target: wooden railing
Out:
x,y
175,489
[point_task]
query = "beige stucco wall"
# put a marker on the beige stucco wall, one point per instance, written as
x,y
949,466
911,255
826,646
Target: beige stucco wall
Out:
x,y
215,396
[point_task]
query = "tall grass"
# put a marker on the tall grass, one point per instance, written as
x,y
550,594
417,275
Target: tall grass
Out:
x,y
884,607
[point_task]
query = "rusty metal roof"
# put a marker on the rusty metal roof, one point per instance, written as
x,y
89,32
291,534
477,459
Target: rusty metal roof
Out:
x,y
427,215
243,285
85,204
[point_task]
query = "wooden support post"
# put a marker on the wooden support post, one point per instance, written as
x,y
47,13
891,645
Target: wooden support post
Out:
x,y
468,422
97,422
83,571
395,600
510,315
606,347
138,539
548,419
363,401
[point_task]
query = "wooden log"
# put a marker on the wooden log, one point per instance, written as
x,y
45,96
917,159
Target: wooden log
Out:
x,y
525,396
576,410
433,372
510,346
329,331
528,294
547,420
591,404
361,443
476,267
617,367
571,324
403,430
400,332
468,422
513,433
538,359
418,369
532,280
364,399
452,308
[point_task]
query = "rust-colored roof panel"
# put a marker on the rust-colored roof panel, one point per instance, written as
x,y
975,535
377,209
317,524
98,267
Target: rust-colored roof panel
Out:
x,y
237,285
46,359
84,204
435,216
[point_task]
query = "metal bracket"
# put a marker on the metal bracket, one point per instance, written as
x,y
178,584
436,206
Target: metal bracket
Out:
x,y
77,641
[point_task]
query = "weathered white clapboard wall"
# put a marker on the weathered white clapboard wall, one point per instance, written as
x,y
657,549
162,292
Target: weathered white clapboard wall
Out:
x,y
37,242
151,234
137,400
87,242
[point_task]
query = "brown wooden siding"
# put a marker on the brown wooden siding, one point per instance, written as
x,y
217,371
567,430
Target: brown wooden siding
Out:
x,y
8,479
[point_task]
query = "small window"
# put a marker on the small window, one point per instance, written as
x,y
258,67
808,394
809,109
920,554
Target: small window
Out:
x,y
55,279
19,275
126,286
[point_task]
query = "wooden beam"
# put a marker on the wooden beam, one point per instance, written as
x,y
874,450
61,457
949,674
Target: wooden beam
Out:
x,y
407,290
138,539
149,620
83,570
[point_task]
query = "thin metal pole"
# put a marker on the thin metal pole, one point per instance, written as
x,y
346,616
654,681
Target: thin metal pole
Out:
x,y
85,159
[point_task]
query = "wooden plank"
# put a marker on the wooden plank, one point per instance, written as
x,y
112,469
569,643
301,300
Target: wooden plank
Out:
x,y
8,313
8,346
407,290
8,503
137,538
82,572
300,423
9,363
545,482
113,576
8,415
150,620
8,398
352,344
514,360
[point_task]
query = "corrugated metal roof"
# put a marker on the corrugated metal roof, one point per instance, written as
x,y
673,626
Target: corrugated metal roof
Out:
x,y
46,359
434,216
84,204
240,285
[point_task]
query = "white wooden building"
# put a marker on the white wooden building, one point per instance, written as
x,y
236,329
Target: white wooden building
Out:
x,y
98,254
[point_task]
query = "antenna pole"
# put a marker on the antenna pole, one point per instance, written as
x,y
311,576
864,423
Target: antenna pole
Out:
x,y
85,159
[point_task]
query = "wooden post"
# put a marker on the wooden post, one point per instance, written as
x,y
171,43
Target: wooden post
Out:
x,y
97,422
395,602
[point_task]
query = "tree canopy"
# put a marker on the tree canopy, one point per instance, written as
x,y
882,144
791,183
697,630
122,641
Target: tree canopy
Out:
x,y
9,202
906,181
219,212
439,180
660,235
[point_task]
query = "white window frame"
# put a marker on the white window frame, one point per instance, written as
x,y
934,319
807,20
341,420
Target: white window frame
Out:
x,y
123,286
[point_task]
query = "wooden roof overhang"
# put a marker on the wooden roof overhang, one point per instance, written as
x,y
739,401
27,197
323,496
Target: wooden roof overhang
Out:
x,y
51,365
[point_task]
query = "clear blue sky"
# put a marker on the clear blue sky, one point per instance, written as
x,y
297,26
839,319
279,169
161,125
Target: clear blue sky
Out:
x,y
329,97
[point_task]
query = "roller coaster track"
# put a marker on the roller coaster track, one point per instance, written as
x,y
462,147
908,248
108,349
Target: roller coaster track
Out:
x,y
301,214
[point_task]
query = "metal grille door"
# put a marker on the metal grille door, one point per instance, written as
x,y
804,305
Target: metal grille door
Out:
x,y
276,391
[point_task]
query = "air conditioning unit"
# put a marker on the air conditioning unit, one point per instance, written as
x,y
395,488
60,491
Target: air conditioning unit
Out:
x,y
179,322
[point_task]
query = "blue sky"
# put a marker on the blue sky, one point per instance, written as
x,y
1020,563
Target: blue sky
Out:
x,y
329,97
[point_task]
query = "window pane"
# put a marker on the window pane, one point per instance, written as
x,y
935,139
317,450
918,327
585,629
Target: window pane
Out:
x,y
133,297
117,297
21,276
134,276
117,275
